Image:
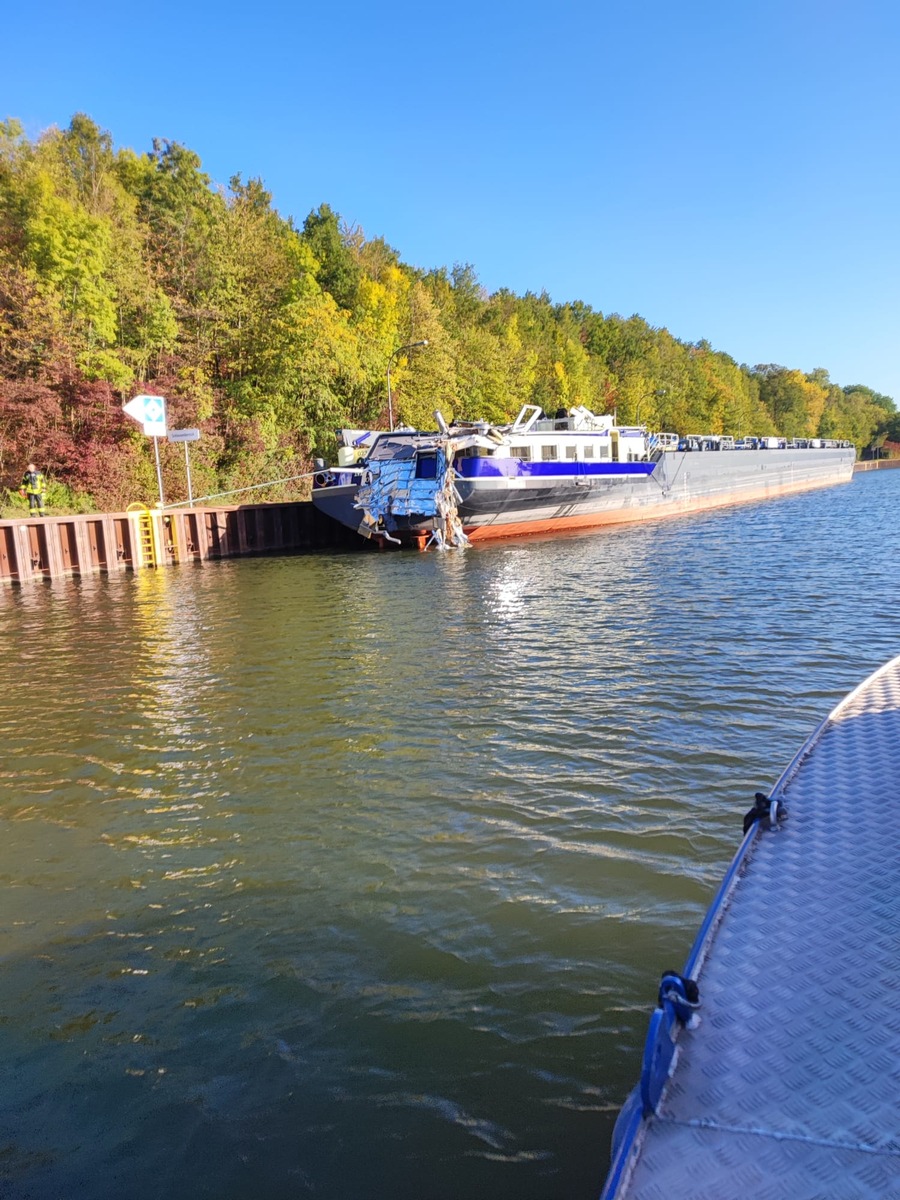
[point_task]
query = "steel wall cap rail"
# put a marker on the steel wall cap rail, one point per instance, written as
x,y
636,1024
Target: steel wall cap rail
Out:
x,y
45,548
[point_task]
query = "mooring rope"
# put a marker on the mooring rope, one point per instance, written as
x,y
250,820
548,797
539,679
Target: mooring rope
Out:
x,y
237,491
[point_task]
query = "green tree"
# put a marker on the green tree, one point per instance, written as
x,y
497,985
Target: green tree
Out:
x,y
339,272
117,266
425,381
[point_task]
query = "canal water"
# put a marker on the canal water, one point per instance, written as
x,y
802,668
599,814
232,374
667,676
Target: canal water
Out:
x,y
354,876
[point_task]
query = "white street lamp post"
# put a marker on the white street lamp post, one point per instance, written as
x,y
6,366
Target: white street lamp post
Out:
x,y
399,350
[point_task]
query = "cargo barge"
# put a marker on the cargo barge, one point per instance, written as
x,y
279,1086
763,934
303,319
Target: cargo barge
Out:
x,y
473,481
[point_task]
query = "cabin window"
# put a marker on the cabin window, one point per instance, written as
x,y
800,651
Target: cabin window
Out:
x,y
426,466
589,452
549,453
523,452
604,452
571,453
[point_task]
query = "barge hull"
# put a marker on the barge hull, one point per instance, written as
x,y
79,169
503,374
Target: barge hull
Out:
x,y
681,484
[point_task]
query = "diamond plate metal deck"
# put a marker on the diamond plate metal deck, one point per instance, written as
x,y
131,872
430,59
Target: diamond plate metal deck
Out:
x,y
789,1086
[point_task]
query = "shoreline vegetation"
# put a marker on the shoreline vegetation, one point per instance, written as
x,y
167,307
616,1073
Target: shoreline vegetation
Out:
x,y
123,272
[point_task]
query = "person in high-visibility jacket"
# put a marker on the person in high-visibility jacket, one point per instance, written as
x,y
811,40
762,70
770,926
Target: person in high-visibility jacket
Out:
x,y
33,486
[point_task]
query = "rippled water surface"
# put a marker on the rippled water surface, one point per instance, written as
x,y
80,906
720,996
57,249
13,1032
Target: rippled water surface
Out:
x,y
353,876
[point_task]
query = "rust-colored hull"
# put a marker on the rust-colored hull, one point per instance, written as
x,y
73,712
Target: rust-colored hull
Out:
x,y
674,507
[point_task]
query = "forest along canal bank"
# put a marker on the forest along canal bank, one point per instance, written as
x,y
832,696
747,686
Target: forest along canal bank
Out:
x,y
34,549
355,874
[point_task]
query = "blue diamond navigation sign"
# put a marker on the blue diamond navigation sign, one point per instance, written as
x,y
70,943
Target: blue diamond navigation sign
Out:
x,y
151,412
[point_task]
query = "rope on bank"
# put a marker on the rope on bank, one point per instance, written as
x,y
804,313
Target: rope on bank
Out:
x,y
237,491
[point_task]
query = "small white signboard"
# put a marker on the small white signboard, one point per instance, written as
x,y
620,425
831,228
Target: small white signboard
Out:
x,y
151,412
184,435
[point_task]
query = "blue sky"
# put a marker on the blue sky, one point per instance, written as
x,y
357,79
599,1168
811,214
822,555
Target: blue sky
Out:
x,y
727,169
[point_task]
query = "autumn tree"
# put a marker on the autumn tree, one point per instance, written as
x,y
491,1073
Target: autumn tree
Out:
x,y
122,271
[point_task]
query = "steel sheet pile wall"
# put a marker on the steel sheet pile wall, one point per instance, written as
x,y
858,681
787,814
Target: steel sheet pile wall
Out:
x,y
82,545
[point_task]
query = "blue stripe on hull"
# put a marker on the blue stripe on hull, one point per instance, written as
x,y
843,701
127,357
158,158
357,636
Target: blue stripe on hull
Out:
x,y
517,468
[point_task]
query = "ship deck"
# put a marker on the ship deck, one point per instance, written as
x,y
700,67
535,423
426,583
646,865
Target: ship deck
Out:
x,y
787,1084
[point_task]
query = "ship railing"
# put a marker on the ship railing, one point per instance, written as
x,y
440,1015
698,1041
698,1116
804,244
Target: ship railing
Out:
x,y
659,443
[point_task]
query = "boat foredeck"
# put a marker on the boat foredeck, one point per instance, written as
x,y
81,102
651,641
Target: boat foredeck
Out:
x,y
788,1084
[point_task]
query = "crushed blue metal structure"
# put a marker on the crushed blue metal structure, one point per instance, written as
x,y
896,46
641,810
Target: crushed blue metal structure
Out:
x,y
420,484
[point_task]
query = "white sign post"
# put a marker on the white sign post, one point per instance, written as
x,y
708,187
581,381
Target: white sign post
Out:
x,y
151,412
186,436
